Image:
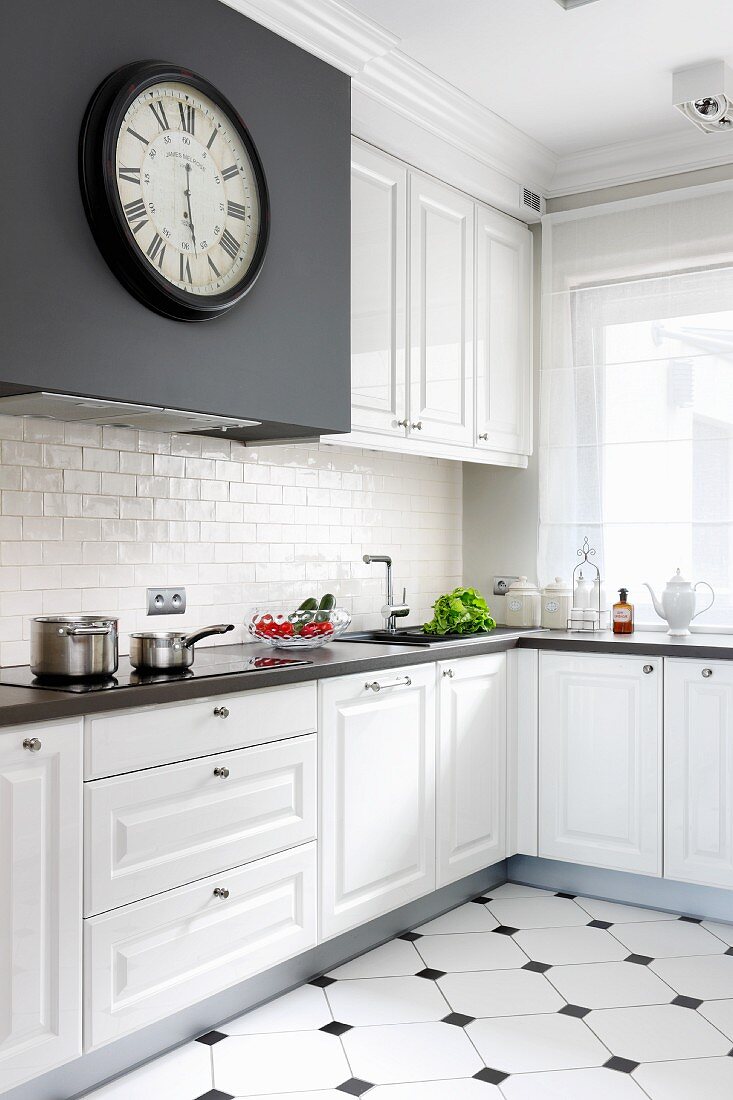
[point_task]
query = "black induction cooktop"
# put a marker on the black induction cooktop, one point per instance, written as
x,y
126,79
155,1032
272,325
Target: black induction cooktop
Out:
x,y
208,662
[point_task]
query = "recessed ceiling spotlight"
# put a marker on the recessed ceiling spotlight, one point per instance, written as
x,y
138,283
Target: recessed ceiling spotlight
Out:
x,y
570,4
704,95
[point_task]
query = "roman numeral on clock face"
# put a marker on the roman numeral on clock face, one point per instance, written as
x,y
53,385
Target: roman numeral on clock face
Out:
x,y
188,117
230,172
156,250
212,139
138,136
230,244
236,210
213,267
160,115
132,175
135,212
184,268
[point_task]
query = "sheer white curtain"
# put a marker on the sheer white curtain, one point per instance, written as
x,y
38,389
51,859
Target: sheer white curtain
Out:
x,y
636,414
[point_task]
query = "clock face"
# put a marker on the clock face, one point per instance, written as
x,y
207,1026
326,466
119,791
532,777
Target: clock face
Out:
x,y
174,190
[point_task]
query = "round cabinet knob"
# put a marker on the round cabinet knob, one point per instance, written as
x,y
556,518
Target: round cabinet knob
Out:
x,y
32,744
648,669
221,712
707,673
221,892
416,425
449,672
403,423
221,773
484,435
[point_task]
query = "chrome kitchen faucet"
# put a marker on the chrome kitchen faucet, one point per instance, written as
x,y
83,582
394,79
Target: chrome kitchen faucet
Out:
x,y
391,610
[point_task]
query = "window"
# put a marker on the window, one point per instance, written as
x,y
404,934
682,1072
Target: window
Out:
x,y
636,420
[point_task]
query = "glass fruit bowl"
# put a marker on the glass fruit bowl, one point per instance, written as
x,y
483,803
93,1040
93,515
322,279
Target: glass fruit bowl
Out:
x,y
285,628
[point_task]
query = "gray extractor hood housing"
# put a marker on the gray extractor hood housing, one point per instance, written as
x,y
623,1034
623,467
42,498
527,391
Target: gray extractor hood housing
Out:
x,y
277,366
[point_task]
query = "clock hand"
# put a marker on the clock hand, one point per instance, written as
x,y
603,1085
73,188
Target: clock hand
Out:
x,y
187,193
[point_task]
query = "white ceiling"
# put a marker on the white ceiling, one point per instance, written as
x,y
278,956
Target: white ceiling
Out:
x,y
572,80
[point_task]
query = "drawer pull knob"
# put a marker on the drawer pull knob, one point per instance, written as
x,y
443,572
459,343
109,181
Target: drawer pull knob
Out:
x,y
221,712
32,744
707,673
221,892
648,668
416,425
449,672
484,436
222,773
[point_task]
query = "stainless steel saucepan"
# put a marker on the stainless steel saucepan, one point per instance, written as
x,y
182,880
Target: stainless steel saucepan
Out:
x,y
73,646
169,650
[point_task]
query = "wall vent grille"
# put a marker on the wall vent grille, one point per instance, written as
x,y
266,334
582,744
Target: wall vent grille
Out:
x,y
533,201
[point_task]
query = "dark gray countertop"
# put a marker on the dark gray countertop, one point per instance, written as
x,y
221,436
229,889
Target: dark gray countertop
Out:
x,y
21,705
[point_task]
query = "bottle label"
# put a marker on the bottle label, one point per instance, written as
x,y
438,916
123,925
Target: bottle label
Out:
x,y
515,604
622,614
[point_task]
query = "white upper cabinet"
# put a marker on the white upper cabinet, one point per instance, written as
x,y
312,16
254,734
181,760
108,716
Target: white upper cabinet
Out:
x,y
441,319
441,312
503,333
600,734
698,771
471,780
378,295
377,801
40,887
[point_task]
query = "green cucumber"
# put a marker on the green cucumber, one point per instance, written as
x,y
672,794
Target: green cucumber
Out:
x,y
311,604
325,607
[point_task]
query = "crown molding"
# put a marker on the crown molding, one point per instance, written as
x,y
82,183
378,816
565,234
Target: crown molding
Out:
x,y
636,161
428,101
329,29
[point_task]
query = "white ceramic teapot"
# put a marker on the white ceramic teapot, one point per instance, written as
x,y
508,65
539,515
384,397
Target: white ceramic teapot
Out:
x,y
678,601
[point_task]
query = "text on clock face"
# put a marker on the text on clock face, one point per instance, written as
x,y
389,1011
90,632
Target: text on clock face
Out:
x,y
187,189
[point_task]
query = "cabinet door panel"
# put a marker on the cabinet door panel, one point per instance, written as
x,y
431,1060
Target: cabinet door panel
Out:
x,y
698,771
441,311
378,301
150,831
40,914
471,783
148,960
600,761
503,333
377,836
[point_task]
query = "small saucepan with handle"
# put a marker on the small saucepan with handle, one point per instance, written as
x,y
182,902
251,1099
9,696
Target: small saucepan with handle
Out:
x,y
169,650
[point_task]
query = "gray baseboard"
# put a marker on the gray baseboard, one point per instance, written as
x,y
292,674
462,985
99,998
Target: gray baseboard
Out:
x,y
87,1073
707,902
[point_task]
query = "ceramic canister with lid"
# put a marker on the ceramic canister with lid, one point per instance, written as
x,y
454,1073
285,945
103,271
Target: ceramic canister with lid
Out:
x,y
523,604
557,599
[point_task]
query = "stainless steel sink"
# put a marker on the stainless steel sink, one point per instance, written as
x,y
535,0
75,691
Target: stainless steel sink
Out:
x,y
411,635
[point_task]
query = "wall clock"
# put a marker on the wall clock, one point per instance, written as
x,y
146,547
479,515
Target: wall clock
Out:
x,y
174,190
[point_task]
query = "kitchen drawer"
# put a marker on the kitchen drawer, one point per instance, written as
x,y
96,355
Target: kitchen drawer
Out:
x,y
144,737
145,961
146,832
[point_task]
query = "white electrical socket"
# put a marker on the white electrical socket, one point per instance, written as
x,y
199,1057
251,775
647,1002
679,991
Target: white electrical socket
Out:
x,y
166,601
502,583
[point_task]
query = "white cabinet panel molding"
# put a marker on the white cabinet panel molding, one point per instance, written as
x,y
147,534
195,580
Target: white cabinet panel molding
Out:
x,y
698,768
40,887
377,794
600,761
471,777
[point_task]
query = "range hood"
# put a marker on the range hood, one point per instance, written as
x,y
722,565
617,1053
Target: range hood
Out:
x,y
119,414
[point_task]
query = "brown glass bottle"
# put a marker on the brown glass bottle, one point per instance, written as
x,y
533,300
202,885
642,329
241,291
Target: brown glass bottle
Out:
x,y
623,614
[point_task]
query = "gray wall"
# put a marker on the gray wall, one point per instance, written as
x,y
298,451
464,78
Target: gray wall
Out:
x,y
283,354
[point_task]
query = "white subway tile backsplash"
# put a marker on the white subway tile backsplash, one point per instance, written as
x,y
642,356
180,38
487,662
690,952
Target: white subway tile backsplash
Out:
x,y
91,517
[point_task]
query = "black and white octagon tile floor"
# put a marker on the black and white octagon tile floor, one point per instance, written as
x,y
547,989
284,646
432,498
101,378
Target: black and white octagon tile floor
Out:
x,y
518,995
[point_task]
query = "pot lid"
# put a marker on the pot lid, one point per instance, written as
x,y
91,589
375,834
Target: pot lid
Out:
x,y
678,579
558,585
521,584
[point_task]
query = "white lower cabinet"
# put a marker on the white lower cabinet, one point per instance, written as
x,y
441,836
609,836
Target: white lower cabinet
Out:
x,y
40,899
377,794
698,770
149,831
148,960
600,735
471,777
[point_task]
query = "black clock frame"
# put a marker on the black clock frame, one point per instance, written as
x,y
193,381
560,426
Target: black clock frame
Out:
x,y
103,206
